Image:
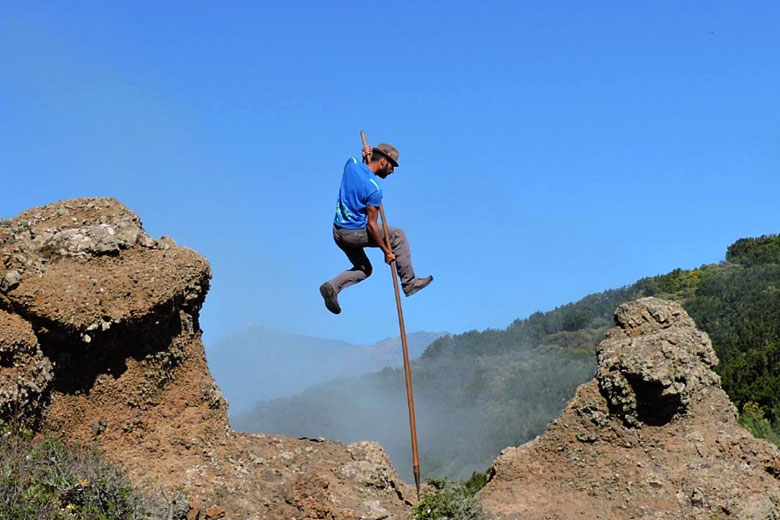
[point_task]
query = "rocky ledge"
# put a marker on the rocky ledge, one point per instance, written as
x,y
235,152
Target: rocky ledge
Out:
x,y
653,436
100,340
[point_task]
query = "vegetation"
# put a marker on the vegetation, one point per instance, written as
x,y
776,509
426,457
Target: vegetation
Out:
x,y
752,419
479,392
754,251
452,500
738,304
47,479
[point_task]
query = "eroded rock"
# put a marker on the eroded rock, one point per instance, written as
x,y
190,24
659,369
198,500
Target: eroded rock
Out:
x,y
654,362
101,341
95,240
108,291
653,436
11,280
25,373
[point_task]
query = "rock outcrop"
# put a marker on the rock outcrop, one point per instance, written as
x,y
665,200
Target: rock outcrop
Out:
x,y
653,436
25,373
100,340
654,363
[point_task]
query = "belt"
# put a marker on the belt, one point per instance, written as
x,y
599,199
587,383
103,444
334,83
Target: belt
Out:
x,y
348,229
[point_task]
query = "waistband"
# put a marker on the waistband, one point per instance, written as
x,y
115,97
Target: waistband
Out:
x,y
336,226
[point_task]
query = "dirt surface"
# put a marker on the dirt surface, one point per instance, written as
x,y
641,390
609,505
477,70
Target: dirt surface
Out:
x,y
654,436
113,314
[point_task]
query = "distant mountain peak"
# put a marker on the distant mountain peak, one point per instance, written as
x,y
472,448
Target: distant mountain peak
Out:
x,y
257,363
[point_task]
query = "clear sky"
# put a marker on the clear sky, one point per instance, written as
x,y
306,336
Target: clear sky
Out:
x,y
548,149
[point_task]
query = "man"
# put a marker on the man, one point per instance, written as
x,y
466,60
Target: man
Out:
x,y
355,226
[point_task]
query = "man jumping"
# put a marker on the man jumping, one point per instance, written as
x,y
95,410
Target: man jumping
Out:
x,y
355,226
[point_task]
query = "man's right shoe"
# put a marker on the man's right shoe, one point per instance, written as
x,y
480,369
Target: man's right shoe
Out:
x,y
417,284
331,297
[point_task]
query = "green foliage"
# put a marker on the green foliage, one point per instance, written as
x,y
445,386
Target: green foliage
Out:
x,y
452,500
676,285
46,479
739,307
477,481
755,251
753,420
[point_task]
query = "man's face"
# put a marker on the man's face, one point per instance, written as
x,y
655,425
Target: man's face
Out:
x,y
386,169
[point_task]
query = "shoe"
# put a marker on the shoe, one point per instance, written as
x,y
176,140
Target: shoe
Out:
x,y
331,297
417,284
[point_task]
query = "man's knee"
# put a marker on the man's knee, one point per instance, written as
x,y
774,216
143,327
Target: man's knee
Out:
x,y
364,268
397,235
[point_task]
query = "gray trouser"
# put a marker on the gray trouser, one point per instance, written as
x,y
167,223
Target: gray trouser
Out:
x,y
352,242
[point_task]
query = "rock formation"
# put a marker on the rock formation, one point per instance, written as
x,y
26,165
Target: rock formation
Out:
x,y
99,339
25,373
653,436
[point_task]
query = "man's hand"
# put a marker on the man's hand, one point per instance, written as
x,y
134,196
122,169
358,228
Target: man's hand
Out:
x,y
389,257
367,154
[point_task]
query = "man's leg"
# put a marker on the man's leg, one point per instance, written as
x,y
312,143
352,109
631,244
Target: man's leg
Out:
x,y
403,262
352,242
403,257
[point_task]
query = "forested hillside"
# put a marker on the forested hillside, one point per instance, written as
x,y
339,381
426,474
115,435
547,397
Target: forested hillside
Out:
x,y
479,392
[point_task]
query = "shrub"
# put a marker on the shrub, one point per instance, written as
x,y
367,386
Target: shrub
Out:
x,y
452,500
477,481
47,479
753,420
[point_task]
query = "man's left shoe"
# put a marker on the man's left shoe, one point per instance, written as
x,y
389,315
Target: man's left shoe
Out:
x,y
331,297
417,284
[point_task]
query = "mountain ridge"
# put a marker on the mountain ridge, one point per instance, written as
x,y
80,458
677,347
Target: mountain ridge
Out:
x,y
258,363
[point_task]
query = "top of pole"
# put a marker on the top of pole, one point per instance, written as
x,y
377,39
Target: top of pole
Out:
x,y
366,158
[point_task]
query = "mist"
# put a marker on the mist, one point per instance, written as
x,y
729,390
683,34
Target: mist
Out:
x,y
469,406
475,393
257,364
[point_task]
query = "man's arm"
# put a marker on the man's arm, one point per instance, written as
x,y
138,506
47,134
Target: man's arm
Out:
x,y
373,231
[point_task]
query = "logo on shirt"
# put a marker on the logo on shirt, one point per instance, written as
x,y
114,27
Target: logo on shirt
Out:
x,y
342,212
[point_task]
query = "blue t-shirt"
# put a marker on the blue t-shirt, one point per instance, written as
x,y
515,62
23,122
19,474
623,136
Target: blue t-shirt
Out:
x,y
358,190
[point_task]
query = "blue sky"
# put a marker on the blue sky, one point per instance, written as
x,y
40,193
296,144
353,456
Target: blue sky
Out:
x,y
548,149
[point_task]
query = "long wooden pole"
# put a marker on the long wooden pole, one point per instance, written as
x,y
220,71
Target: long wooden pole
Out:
x,y
404,346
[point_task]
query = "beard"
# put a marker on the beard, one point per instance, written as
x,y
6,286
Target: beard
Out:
x,y
384,172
